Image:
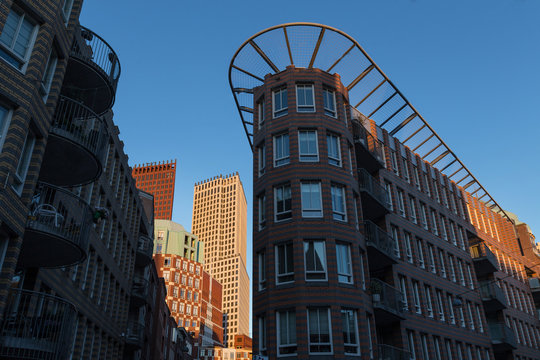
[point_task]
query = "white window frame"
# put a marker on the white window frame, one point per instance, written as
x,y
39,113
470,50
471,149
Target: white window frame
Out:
x,y
66,10
328,318
345,313
282,111
261,107
334,140
286,213
19,176
440,304
395,237
453,276
416,297
425,350
417,178
326,97
429,303
261,257
336,192
410,343
431,258
308,157
289,344
442,267
406,174
400,202
262,335
412,206
311,199
451,309
388,188
420,251
403,289
393,158
408,247
8,49
315,274
287,276
434,222
305,108
48,74
262,159
262,211
423,216
344,266
281,140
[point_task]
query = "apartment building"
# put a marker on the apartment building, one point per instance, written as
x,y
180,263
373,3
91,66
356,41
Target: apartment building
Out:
x,y
158,179
219,220
371,239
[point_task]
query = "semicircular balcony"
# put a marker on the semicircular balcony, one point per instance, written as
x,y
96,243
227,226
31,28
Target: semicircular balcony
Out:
x,y
92,72
76,145
134,335
139,291
145,249
57,229
36,326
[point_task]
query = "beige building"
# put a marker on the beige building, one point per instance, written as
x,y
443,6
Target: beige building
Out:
x,y
172,238
219,220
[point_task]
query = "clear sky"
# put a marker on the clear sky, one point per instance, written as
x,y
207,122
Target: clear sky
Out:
x,y
471,68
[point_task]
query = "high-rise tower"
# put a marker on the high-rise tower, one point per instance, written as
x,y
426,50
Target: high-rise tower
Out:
x,y
219,220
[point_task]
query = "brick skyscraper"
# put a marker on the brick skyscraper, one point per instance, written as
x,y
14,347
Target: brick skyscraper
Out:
x,y
219,220
158,180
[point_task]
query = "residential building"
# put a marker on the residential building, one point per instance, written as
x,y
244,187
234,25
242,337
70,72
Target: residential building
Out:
x,y
158,179
172,238
371,239
219,220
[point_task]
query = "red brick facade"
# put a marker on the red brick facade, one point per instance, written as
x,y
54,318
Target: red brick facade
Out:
x,y
158,179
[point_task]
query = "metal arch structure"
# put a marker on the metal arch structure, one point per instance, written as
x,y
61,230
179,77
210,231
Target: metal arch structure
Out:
x,y
312,45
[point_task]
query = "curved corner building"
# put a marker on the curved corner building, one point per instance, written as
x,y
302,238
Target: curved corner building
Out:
x,y
364,242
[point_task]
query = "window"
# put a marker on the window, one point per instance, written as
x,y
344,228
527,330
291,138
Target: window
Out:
x,y
442,265
305,99
280,102
451,309
311,199
410,343
401,202
344,265
66,9
420,251
315,259
425,352
282,202
262,159
329,100
334,149
469,275
431,259
281,150
440,305
479,317
408,247
5,116
429,305
470,315
48,75
393,158
416,298
406,170
451,266
403,289
17,38
260,112
307,144
388,189
417,178
412,206
443,229
24,162
395,237
262,211
350,332
338,203
284,263
286,332
423,216
320,340
262,335
262,270
461,317
434,220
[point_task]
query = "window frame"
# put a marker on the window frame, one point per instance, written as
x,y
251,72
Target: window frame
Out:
x,y
316,274
345,313
320,344
261,265
309,157
311,212
288,276
261,159
8,49
334,140
305,108
261,199
282,111
48,74
344,264
287,212
338,214
328,111
292,345
285,158
25,159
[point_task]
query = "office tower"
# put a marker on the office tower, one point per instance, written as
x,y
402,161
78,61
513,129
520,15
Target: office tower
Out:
x,y
371,239
158,180
194,297
75,243
219,220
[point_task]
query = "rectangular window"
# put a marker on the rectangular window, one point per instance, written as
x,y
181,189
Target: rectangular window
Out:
x,y
425,351
24,162
329,100
284,263
393,158
334,149
451,267
429,305
420,251
350,332
344,265
440,305
282,202
5,116
388,189
441,264
339,211
281,150
262,270
403,289
286,332
395,237
412,206
437,348
262,211
17,38
262,335
406,170
423,216
417,178
479,317
280,102
400,202
66,9
416,298
315,259
305,99
260,112
320,338
443,229
408,247
48,75
307,145
431,259
262,159
410,343
311,199
451,309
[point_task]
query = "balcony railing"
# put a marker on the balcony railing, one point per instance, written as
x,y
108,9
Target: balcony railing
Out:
x,y
484,260
36,326
492,296
91,48
502,337
534,284
381,241
140,290
388,352
371,154
134,333
57,228
376,203
386,297
145,249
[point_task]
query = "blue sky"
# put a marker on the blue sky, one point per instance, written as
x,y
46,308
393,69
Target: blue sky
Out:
x,y
471,68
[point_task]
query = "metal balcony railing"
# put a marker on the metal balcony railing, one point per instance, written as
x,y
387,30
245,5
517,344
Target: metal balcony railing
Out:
x,y
362,136
490,291
79,123
502,334
485,261
377,237
145,245
36,326
534,284
134,333
369,184
386,297
91,48
388,352
140,287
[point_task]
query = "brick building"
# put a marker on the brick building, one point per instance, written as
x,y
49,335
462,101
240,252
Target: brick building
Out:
x,y
371,239
220,221
158,180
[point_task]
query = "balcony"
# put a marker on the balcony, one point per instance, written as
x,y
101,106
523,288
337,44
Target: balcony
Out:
x,y
502,337
36,326
388,352
134,335
374,198
387,302
484,260
92,72
380,247
139,291
492,297
369,151
145,249
57,229
75,147
534,284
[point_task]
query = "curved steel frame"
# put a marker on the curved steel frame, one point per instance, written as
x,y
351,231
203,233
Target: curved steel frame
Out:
x,y
379,98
